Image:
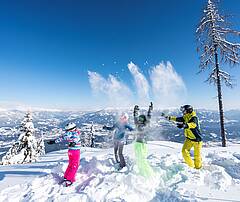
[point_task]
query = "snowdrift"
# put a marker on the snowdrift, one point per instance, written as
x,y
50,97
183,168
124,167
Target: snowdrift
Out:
x,y
98,180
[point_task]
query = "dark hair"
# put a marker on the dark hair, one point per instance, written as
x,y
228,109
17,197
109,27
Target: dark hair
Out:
x,y
142,118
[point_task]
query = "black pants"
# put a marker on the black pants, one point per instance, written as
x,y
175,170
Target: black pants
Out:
x,y
118,152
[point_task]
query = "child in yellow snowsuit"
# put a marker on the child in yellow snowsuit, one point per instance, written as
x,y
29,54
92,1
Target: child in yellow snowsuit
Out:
x,y
189,122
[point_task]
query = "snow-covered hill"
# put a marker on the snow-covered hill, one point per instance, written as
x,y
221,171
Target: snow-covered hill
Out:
x,y
48,124
97,179
46,121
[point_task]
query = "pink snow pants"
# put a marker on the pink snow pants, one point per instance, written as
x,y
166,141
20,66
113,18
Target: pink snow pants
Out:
x,y
73,164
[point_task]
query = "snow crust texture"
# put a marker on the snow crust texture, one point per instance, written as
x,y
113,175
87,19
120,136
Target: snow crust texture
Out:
x,y
99,180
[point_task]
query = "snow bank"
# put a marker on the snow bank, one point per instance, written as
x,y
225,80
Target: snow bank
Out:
x,y
98,180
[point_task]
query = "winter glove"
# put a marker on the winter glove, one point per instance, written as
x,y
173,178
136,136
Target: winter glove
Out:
x,y
136,108
51,142
72,144
151,106
182,125
165,116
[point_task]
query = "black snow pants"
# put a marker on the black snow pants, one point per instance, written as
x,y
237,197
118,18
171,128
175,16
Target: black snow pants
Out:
x,y
118,152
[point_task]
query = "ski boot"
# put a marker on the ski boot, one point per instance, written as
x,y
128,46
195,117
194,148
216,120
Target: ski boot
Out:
x,y
66,183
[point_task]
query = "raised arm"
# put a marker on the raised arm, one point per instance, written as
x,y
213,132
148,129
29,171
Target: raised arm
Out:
x,y
149,113
135,114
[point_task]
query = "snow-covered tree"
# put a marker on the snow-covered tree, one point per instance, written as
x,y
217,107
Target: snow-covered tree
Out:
x,y
40,147
215,49
27,148
88,136
91,136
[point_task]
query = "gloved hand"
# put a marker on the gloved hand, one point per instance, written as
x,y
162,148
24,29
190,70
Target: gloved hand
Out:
x,y
151,106
136,108
104,127
72,144
165,116
51,142
182,125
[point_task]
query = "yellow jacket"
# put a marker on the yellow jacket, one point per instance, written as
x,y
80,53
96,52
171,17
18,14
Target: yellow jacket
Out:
x,y
192,127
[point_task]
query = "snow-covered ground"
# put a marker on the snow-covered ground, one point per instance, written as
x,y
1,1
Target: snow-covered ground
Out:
x,y
98,180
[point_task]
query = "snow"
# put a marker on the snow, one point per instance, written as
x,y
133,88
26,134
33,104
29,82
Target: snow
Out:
x,y
22,107
213,134
98,180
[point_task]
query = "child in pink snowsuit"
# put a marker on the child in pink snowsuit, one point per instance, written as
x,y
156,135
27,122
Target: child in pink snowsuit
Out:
x,y
72,135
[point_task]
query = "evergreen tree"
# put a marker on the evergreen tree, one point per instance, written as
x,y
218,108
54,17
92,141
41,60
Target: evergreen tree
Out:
x,y
27,148
87,134
215,50
91,134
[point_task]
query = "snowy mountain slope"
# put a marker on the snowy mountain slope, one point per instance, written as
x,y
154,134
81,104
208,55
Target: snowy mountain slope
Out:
x,y
97,179
46,122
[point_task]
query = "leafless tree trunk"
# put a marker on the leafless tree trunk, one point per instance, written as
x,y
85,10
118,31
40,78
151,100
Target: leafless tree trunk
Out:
x,y
212,34
220,102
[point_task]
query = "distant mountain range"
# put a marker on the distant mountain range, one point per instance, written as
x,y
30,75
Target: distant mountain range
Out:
x,y
47,121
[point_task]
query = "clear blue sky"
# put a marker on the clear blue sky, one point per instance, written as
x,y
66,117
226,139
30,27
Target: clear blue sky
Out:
x,y
48,47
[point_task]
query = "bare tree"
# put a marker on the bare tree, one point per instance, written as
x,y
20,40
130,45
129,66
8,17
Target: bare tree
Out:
x,y
215,49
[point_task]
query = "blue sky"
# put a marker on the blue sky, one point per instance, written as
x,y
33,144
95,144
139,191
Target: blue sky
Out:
x,y
48,47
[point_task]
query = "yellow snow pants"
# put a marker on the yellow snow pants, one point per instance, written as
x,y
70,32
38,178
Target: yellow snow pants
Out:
x,y
188,144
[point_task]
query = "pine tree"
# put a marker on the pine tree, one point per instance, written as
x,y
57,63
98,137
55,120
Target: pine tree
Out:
x,y
91,134
215,50
87,136
27,148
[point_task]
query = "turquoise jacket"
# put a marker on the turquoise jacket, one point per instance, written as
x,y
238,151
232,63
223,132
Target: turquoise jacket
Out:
x,y
72,137
120,130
